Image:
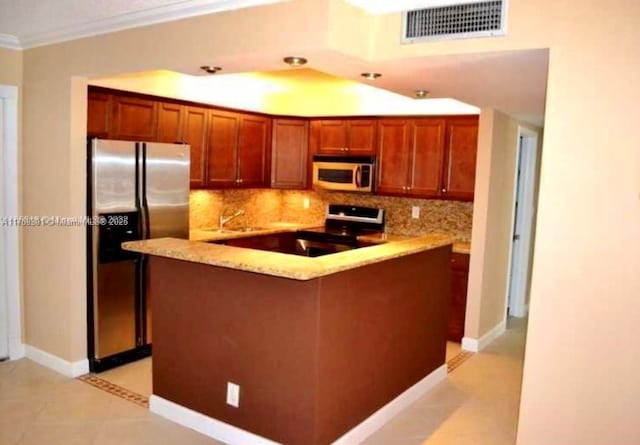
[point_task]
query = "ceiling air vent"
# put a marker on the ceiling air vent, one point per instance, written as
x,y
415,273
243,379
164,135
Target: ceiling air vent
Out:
x,y
478,19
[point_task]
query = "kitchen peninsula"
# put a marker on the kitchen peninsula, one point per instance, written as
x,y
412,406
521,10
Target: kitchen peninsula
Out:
x,y
316,345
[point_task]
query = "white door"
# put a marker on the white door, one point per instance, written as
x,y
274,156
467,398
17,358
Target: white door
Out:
x,y
524,214
10,319
4,297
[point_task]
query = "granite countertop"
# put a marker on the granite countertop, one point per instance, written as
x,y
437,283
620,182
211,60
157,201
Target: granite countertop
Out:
x,y
280,264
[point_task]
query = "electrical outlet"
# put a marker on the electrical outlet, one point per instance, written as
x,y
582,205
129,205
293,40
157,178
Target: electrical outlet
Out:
x,y
233,394
305,203
415,212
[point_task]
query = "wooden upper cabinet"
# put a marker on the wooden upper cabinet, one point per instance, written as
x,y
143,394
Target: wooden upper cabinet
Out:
x,y
393,155
355,137
331,136
460,161
134,119
289,153
222,149
427,156
194,133
361,137
430,157
170,117
99,113
252,153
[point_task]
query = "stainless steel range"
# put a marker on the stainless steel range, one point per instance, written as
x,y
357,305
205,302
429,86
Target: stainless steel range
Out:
x,y
343,225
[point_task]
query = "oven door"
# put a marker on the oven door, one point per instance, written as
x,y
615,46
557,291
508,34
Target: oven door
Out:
x,y
318,248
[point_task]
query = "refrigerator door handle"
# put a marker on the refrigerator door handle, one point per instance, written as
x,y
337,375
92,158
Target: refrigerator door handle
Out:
x,y
138,188
146,230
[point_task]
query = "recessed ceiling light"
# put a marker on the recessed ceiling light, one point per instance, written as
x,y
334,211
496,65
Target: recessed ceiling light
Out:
x,y
210,69
371,76
421,94
295,60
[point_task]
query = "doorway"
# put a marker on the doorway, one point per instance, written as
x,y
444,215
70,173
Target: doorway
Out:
x,y
526,181
10,319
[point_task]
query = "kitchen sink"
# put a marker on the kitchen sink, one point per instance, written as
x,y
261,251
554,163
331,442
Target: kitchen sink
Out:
x,y
223,231
238,230
250,229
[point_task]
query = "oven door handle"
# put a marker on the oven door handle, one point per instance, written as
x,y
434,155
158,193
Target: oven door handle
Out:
x,y
358,176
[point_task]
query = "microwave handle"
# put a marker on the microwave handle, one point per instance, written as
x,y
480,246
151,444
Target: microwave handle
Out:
x,y
358,176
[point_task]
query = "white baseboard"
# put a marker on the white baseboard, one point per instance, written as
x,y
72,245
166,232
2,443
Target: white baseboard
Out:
x,y
233,435
69,369
377,420
206,425
16,349
477,345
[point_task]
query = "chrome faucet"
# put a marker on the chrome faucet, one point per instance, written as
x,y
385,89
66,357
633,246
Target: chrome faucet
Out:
x,y
225,219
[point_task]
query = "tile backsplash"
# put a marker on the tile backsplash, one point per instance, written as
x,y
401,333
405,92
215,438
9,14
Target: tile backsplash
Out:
x,y
308,207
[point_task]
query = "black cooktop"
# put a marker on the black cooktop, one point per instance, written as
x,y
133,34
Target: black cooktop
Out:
x,y
344,223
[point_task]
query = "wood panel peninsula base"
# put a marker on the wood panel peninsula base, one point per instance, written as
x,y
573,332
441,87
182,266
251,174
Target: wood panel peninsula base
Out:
x,y
313,358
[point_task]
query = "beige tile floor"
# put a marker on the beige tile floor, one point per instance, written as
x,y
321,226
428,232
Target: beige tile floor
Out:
x,y
41,407
477,404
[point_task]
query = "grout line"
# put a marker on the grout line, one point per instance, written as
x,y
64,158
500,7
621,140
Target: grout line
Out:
x,y
456,361
115,390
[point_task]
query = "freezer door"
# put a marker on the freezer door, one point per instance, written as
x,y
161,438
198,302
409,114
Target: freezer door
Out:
x,y
115,317
165,193
113,178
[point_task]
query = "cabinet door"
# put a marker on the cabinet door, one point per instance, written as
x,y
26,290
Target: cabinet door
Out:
x,y
134,119
194,133
222,149
253,137
361,134
289,154
331,136
460,164
458,304
99,109
393,156
170,118
427,157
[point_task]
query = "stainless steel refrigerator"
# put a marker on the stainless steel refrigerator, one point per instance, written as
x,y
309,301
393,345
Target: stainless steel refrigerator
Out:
x,y
135,190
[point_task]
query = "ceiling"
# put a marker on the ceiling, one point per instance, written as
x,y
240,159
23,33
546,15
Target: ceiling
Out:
x,y
513,82
30,23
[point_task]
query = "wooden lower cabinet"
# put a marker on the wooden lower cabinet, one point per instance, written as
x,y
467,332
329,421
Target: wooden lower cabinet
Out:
x,y
458,304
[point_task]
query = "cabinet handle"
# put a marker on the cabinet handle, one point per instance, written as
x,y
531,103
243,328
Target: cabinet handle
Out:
x,y
240,181
444,190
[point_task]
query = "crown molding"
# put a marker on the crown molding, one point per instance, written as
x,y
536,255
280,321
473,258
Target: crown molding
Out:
x,y
379,7
9,41
151,16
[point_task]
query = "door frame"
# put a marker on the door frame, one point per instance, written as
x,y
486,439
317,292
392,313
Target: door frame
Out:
x,y
523,193
12,260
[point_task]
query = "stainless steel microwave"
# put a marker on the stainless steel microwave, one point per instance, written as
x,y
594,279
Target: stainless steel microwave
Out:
x,y
350,174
